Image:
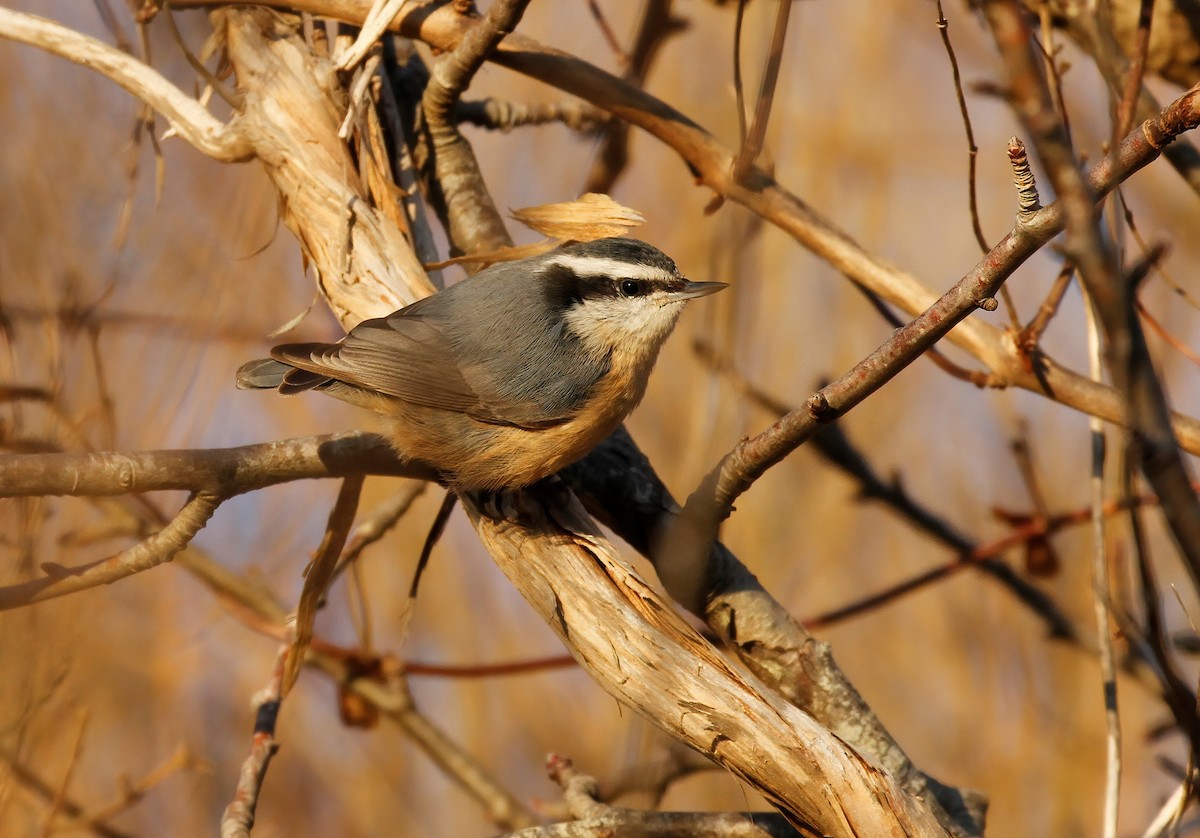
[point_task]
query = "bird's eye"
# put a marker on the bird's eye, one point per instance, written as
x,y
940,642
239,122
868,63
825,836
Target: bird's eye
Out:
x,y
630,288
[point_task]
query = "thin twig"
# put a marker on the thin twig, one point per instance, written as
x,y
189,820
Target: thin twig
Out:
x,y
187,116
230,97
1029,337
319,574
943,26
1127,105
1101,595
379,523
431,539
750,149
1128,357
238,818
835,447
144,555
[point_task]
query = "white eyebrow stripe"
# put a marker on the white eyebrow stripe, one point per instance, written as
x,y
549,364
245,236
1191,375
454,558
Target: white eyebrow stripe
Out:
x,y
592,266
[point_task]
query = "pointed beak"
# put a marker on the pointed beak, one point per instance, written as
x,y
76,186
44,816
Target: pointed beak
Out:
x,y
692,290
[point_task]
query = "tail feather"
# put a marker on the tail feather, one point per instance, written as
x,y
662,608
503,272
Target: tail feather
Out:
x,y
269,374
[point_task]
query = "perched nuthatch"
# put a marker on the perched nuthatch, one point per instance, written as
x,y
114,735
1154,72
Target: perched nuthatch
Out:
x,y
510,375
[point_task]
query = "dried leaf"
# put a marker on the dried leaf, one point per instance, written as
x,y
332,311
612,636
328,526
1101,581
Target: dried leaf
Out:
x,y
592,216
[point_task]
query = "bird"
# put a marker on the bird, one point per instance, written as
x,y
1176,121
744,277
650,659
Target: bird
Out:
x,y
508,376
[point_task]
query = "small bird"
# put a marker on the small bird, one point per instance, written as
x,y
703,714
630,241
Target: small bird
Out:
x,y
507,376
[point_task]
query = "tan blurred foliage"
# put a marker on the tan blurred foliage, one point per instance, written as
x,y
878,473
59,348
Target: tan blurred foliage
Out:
x,y
135,343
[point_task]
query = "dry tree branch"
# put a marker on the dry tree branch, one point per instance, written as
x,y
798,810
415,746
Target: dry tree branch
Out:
x,y
835,447
220,471
238,818
144,555
752,141
212,476
594,818
474,225
618,485
713,500
187,116
659,666
319,574
1153,440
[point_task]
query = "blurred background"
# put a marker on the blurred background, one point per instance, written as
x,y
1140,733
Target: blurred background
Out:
x,y
133,310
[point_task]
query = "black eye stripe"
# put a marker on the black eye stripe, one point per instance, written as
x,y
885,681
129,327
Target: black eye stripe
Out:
x,y
565,287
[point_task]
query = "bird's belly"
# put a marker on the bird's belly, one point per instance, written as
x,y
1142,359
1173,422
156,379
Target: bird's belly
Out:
x,y
478,455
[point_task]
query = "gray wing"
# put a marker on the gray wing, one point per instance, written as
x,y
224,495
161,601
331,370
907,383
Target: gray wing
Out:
x,y
407,357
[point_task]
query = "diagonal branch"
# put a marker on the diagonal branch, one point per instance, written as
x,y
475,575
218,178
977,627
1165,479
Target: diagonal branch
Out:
x,y
187,116
712,501
662,668
144,555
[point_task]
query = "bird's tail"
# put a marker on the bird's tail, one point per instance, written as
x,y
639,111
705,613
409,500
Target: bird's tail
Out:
x,y
263,374
269,374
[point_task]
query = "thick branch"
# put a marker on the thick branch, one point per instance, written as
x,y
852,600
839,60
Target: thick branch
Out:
x,y
662,668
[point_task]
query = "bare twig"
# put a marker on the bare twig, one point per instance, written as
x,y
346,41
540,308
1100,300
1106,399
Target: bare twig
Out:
x,y
144,555
378,523
230,97
488,670
431,539
594,818
187,116
1135,73
238,819
943,26
1029,337
1128,357
319,574
1101,594
834,446
752,145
